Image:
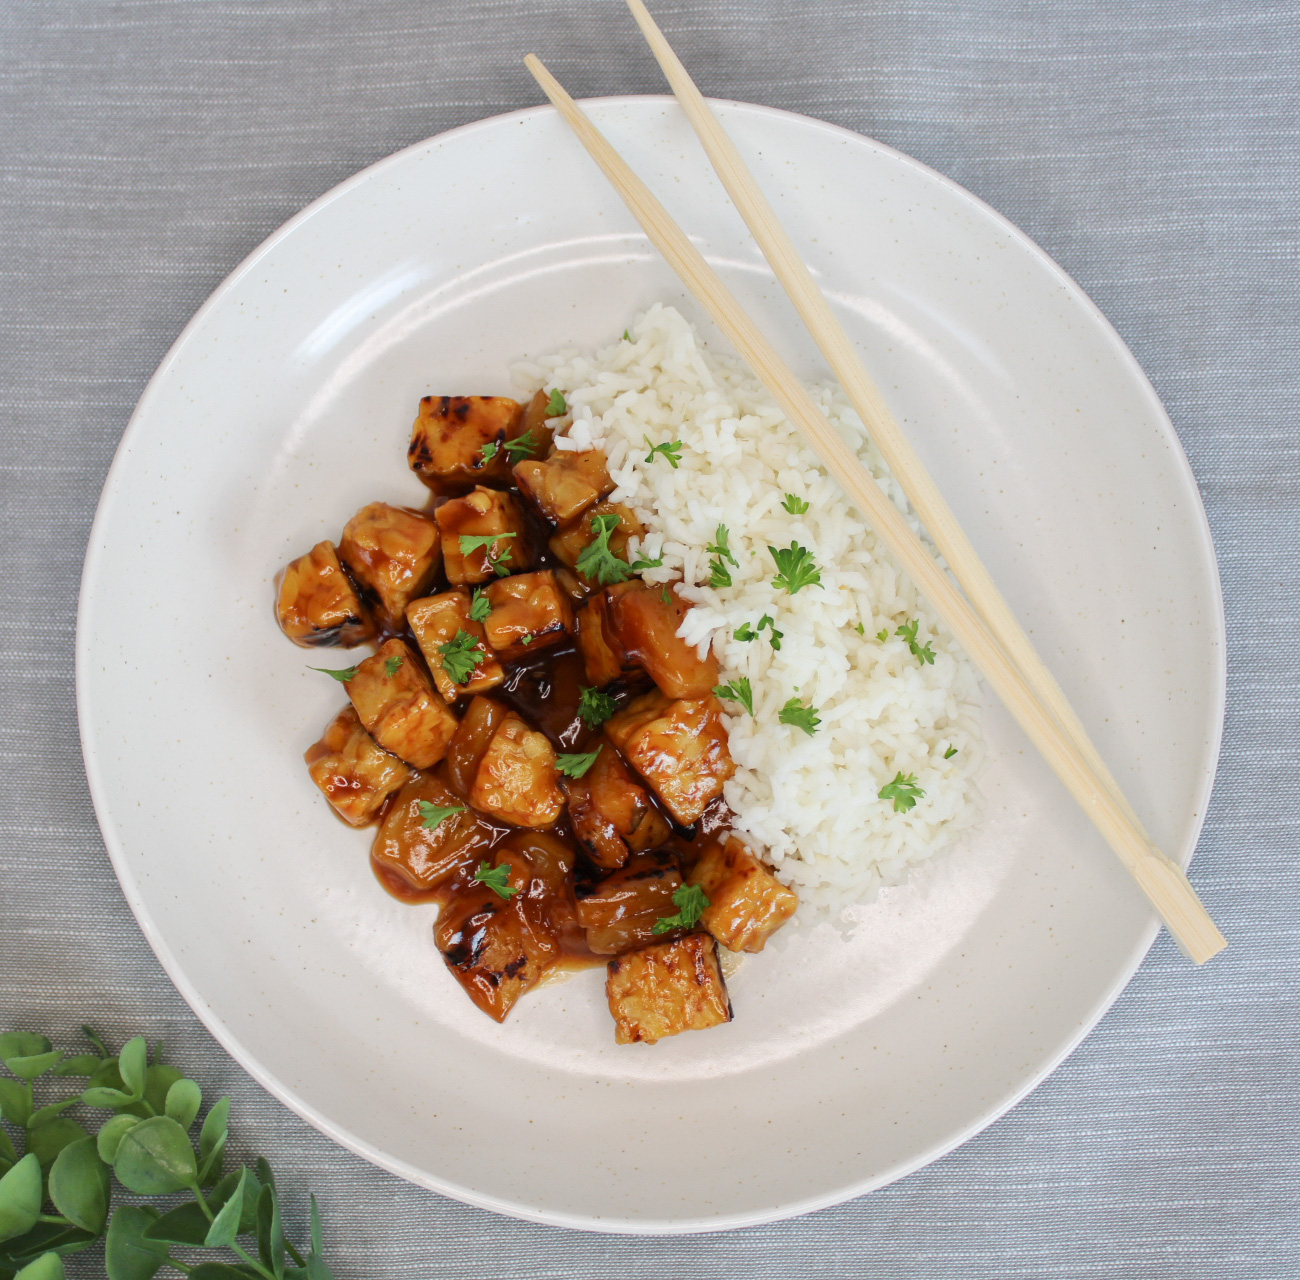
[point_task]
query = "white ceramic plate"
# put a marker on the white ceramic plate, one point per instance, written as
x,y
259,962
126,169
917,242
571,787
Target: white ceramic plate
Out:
x,y
286,404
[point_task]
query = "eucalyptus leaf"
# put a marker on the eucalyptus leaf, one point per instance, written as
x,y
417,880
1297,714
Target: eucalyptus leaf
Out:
x,y
83,1064
186,1224
80,1186
40,1116
8,1152
22,1044
111,1134
252,1189
16,1101
49,1266
47,1140
158,1080
100,1096
20,1197
214,1128
155,1158
184,1099
44,1237
94,1039
127,1254
264,1173
132,1062
316,1268
107,1076
28,1068
225,1226
270,1229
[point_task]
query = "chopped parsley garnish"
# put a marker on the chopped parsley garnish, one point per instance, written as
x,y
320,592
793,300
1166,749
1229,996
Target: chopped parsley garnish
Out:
x,y
523,446
341,674
883,634
903,791
596,560
922,652
575,766
432,814
460,655
665,595
719,574
391,664
690,901
557,404
486,542
627,337
795,568
747,633
861,630
738,690
496,878
595,706
671,450
479,606
641,563
489,450
527,640
795,506
948,755
795,713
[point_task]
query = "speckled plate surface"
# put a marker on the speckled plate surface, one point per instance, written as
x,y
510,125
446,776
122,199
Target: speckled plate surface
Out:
x,y
286,404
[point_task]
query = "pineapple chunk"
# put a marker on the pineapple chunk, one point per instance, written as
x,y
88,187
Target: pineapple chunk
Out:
x,y
317,606
491,948
401,710
478,726
644,627
393,554
356,774
517,780
436,621
747,903
601,661
667,989
447,439
611,813
569,544
620,911
427,856
679,748
565,484
529,613
479,514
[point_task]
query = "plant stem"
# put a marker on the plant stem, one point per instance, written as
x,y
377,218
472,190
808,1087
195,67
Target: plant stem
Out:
x,y
178,1264
54,1217
203,1204
252,1262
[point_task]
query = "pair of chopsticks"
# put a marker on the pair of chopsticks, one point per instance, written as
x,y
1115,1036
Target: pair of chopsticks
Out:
x,y
981,619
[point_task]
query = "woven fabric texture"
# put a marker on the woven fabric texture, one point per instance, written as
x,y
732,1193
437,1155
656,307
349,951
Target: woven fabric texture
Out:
x,y
1151,146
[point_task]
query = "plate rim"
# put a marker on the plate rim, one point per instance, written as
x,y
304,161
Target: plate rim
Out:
x,y
225,1036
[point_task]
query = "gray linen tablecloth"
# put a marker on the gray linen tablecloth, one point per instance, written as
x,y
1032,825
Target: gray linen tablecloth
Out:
x,y
1150,146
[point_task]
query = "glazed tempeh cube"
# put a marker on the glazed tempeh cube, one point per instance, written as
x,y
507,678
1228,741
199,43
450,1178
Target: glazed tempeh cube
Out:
x,y
601,661
517,780
396,702
436,621
611,812
394,555
449,435
570,543
620,912
356,774
529,613
564,485
667,989
747,903
477,728
478,515
644,627
316,604
423,847
679,748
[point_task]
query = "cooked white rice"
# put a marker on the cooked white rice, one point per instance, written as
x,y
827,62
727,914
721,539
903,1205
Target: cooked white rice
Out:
x,y
809,805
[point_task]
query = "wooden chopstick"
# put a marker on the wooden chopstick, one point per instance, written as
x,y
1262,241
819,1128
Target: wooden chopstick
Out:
x,y
1161,879
809,301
